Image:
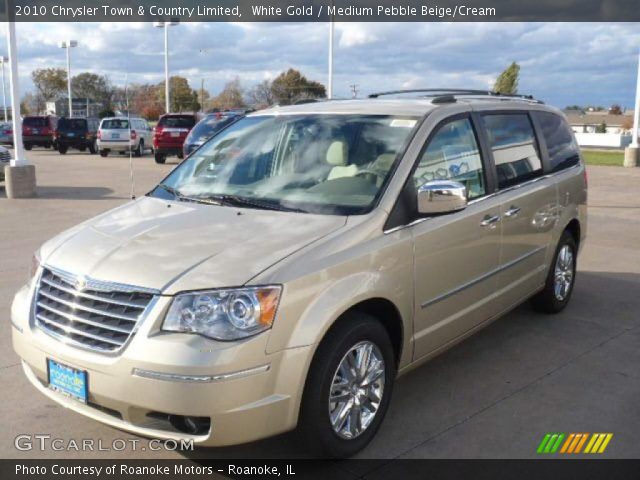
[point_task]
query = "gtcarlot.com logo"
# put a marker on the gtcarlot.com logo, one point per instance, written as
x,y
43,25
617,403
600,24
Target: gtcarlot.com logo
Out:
x,y
573,443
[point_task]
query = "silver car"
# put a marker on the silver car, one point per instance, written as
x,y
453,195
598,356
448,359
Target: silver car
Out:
x,y
123,134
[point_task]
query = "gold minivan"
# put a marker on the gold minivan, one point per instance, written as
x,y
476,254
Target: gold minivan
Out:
x,y
293,266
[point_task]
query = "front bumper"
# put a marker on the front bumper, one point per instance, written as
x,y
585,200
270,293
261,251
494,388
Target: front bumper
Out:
x,y
241,408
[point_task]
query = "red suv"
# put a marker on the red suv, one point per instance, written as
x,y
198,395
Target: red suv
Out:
x,y
170,133
39,131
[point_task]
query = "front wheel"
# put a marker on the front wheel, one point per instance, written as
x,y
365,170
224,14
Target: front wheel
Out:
x,y
348,388
28,146
140,149
104,153
93,147
562,275
160,158
62,149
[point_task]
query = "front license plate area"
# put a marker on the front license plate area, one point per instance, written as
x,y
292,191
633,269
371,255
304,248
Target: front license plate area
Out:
x,y
67,380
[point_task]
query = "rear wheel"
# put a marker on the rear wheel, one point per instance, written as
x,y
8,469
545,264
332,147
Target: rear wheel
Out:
x,y
93,147
348,387
104,153
140,149
160,157
28,146
62,149
559,284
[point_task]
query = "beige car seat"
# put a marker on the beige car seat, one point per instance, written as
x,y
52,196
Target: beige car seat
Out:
x,y
338,157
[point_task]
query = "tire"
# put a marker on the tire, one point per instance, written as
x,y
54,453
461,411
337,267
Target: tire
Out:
x,y
140,149
28,146
62,149
93,148
160,158
555,296
180,155
315,425
104,153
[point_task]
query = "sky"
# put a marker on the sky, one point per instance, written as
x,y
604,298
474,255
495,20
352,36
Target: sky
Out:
x,y
561,63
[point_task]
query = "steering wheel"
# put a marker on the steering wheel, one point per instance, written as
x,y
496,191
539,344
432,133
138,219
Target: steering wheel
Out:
x,y
375,173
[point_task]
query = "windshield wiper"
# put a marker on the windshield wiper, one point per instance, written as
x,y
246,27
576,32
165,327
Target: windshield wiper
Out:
x,y
184,198
236,201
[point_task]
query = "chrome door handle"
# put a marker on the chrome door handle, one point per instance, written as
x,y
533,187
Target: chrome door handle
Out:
x,y
512,212
489,220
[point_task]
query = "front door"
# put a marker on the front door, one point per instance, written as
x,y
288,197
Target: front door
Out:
x,y
456,254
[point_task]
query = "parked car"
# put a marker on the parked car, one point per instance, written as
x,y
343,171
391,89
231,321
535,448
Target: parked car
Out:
x,y
293,266
123,134
170,133
5,158
207,128
78,133
38,131
6,133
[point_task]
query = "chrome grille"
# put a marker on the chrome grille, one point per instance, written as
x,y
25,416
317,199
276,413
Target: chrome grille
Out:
x,y
92,314
5,156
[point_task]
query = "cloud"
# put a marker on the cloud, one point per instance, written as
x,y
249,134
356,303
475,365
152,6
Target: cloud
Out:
x,y
562,63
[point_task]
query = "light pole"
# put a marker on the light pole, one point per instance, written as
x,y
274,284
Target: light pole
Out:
x,y
173,22
68,45
330,81
4,60
631,157
20,176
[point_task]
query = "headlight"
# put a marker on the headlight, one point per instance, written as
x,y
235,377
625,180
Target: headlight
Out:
x,y
225,314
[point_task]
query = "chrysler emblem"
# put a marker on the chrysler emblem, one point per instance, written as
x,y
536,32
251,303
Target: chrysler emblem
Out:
x,y
81,283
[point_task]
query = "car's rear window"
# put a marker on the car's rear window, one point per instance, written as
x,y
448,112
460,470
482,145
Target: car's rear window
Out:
x,y
35,121
115,124
210,125
72,124
177,121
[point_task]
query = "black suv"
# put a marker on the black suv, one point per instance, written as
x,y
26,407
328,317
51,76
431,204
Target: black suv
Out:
x,y
80,133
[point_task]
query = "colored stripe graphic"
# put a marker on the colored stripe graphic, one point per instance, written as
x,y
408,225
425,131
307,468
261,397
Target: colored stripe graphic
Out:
x,y
573,443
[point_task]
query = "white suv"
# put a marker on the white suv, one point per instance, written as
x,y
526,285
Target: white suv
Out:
x,y
121,134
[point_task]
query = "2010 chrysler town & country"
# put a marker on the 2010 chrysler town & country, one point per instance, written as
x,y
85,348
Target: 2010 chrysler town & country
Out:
x,y
288,270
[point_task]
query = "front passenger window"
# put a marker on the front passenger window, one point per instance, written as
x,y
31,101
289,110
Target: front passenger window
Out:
x,y
453,154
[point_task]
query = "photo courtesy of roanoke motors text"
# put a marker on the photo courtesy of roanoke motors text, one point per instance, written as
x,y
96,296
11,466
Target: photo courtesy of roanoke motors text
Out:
x,y
318,239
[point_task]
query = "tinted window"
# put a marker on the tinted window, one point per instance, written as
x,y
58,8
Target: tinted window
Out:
x,y
208,127
177,121
72,124
35,122
453,154
115,124
514,147
562,148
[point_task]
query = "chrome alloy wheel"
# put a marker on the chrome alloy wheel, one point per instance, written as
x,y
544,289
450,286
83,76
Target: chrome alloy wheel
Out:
x,y
356,390
563,273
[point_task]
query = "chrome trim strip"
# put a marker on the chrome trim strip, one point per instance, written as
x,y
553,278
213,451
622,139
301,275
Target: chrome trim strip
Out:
x,y
487,197
79,306
100,285
174,377
481,278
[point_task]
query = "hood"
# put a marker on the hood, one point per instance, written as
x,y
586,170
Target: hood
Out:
x,y
174,246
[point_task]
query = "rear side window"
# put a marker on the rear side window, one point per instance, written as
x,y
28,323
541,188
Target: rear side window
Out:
x,y
177,121
562,148
453,154
35,122
515,150
72,124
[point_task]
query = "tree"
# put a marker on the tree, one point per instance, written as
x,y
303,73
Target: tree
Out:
x,y
146,100
291,86
602,128
183,97
627,123
507,82
230,96
261,94
32,104
615,109
49,82
96,87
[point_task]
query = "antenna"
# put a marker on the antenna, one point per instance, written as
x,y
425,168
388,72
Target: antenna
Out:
x,y
126,99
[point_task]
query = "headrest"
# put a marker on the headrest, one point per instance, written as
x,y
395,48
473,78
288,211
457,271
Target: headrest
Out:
x,y
338,153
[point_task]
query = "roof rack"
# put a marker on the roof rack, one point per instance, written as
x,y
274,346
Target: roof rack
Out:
x,y
447,95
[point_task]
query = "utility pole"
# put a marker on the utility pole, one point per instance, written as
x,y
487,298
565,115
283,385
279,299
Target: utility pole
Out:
x,y
4,60
354,90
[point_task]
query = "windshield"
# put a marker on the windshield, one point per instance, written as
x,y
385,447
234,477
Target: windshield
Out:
x,y
335,164
34,122
177,121
72,124
206,128
115,124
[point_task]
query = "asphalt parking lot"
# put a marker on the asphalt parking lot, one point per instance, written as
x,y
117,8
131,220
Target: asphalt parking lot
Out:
x,y
493,396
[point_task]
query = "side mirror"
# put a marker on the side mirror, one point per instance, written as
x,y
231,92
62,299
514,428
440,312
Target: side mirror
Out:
x,y
441,196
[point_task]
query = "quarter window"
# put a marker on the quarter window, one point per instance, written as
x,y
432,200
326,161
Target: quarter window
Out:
x,y
562,148
453,154
515,151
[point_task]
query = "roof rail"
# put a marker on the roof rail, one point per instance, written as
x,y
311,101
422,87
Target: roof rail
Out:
x,y
453,92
